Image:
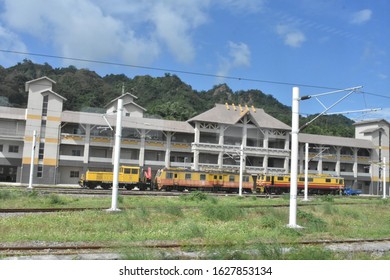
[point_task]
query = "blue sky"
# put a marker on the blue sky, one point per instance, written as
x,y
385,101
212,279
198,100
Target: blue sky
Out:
x,y
271,45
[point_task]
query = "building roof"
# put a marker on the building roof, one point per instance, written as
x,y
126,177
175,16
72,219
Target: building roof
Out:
x,y
12,113
138,123
373,121
335,141
27,85
54,93
135,104
231,115
119,97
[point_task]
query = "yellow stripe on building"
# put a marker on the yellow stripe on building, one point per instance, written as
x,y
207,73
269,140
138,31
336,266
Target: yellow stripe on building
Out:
x,y
51,140
53,119
50,161
34,117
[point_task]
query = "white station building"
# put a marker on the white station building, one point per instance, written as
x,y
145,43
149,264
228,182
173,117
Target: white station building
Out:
x,y
68,143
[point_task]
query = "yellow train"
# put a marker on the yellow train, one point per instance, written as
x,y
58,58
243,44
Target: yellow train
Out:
x,y
129,177
317,184
183,179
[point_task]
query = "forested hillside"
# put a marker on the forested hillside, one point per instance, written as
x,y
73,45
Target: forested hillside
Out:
x,y
165,97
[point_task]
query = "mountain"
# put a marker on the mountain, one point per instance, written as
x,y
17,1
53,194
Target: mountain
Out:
x,y
164,97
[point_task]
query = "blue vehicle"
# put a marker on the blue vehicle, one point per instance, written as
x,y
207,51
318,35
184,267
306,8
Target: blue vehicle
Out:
x,y
350,191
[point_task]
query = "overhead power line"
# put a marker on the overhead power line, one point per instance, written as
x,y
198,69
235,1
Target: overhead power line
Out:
x,y
179,71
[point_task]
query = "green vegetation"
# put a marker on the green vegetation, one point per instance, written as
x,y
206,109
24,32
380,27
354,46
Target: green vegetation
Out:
x,y
164,97
213,227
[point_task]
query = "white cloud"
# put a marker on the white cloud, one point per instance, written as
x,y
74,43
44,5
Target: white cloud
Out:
x,y
10,41
292,37
239,56
361,17
131,31
246,6
382,76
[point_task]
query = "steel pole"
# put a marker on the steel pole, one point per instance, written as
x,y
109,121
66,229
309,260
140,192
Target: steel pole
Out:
x,y
306,171
241,168
117,152
294,159
384,177
30,181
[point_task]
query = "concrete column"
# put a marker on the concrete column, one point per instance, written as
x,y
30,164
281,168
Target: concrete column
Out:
x,y
221,143
244,139
338,161
87,144
195,146
301,159
355,162
265,164
266,139
168,149
142,148
319,165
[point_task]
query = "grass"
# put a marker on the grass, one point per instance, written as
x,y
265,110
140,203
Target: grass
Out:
x,y
226,227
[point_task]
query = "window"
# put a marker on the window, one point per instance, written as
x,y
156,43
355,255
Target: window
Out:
x,y
40,171
74,174
188,176
43,129
45,105
231,178
126,170
327,180
245,179
220,177
41,150
13,149
215,177
1,170
280,178
169,175
76,153
1,148
134,171
203,177
268,178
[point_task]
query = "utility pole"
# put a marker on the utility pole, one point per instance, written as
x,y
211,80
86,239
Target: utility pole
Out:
x,y
117,152
384,178
30,181
294,160
294,143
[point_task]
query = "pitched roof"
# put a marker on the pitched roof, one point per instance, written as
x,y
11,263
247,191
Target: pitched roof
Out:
x,y
231,115
27,85
123,95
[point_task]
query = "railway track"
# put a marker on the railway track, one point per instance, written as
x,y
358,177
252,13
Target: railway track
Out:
x,y
9,250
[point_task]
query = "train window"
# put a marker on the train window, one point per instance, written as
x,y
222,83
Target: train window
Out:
x,y
220,177
175,175
341,181
280,178
310,179
203,177
231,178
327,180
126,170
301,179
268,178
215,177
169,175
134,171
188,176
245,179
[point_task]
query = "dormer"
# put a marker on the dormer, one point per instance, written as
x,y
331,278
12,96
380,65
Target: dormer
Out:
x,y
130,108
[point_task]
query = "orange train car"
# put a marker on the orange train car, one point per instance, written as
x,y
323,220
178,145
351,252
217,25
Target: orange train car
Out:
x,y
183,179
317,184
